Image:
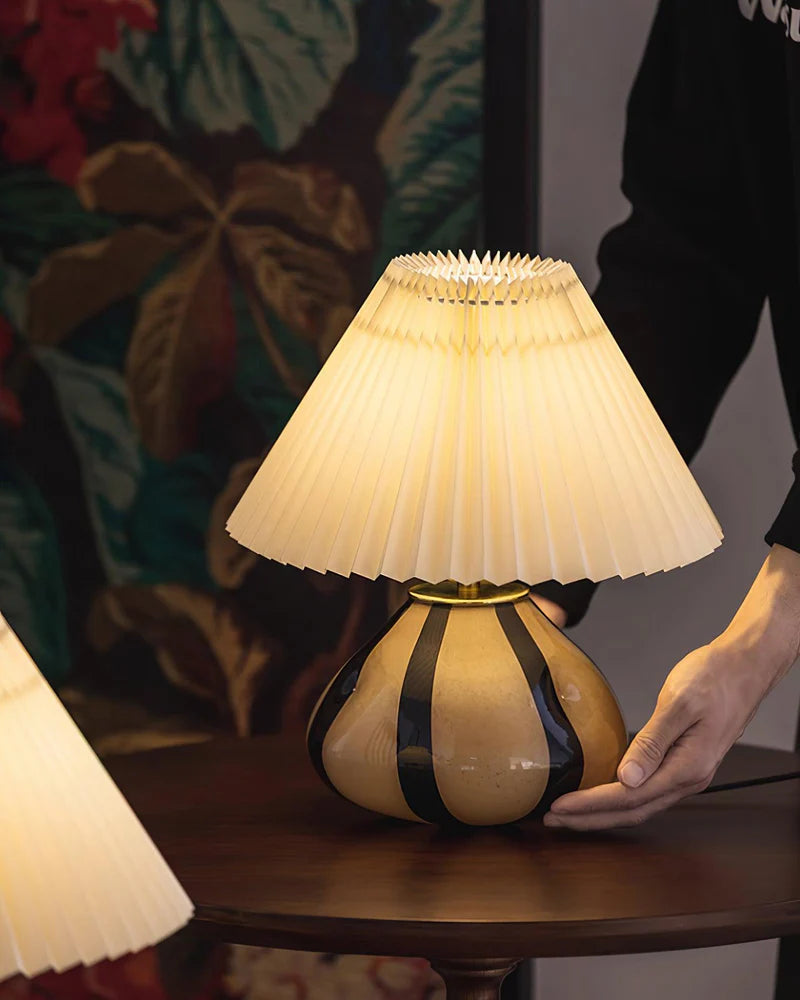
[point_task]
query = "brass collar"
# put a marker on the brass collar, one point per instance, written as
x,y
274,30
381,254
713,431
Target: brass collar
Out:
x,y
468,595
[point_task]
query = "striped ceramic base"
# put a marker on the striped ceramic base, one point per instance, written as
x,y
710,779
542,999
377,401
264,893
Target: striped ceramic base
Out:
x,y
481,715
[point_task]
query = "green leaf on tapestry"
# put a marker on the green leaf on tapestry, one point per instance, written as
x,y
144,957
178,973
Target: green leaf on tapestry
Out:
x,y
149,518
31,580
223,64
39,215
103,340
431,142
258,383
94,402
169,520
13,294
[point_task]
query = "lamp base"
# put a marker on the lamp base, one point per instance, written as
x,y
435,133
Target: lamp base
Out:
x,y
466,710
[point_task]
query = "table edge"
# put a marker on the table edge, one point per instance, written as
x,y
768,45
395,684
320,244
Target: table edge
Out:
x,y
363,936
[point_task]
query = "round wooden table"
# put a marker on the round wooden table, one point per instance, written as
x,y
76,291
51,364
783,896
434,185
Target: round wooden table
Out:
x,y
271,857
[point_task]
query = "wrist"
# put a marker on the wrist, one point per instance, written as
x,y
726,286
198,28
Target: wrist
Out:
x,y
782,579
766,628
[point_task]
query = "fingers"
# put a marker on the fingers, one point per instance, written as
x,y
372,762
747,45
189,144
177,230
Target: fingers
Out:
x,y
687,769
684,770
614,819
702,706
672,718
641,778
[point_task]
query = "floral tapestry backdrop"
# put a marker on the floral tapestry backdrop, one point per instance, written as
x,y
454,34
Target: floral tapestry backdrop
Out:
x,y
195,197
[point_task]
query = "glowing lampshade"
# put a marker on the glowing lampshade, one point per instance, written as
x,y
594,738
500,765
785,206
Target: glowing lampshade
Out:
x,y
80,879
477,421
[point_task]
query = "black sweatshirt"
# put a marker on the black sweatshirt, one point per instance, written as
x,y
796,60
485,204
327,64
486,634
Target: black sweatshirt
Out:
x,y
712,171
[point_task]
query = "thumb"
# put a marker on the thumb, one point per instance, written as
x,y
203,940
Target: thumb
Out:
x,y
650,746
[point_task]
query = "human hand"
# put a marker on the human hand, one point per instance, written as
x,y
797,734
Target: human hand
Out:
x,y
706,702
704,705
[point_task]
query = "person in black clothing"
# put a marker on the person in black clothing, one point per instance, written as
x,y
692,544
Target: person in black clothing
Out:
x,y
712,172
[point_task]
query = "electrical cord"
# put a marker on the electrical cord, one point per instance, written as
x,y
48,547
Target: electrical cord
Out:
x,y
732,786
770,779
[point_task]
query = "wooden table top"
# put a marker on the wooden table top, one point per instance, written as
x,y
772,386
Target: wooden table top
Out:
x,y
272,857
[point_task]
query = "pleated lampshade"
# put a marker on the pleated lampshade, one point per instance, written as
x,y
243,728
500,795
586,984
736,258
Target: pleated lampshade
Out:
x,y
80,879
476,421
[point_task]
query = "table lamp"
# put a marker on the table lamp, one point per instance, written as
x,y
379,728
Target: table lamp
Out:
x,y
476,426
80,880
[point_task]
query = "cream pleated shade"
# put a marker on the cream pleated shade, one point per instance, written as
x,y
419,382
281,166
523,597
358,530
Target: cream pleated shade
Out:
x,y
80,880
476,421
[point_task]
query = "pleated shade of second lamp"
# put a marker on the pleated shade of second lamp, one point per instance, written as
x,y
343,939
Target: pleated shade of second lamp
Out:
x,y
476,426
80,879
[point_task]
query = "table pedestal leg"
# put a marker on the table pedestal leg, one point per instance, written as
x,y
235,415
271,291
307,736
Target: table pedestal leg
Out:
x,y
474,979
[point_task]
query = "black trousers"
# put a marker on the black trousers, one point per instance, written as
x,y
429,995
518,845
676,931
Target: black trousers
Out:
x,y
787,980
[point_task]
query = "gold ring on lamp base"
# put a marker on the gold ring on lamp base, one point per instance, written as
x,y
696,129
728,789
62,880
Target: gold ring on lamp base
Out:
x,y
471,595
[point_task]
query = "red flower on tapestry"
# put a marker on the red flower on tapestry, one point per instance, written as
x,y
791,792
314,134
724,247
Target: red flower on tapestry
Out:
x,y
53,46
133,977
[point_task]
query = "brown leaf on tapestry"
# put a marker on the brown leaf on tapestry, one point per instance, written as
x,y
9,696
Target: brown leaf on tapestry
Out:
x,y
122,725
301,283
202,642
314,198
142,179
79,282
182,351
310,683
336,322
138,740
228,561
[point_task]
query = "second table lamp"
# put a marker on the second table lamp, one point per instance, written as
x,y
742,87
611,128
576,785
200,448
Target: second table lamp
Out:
x,y
476,426
80,879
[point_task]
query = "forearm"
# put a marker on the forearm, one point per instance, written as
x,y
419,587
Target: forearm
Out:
x,y
766,628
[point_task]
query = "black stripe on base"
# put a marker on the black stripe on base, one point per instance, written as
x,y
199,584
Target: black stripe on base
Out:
x,y
566,753
414,740
344,684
